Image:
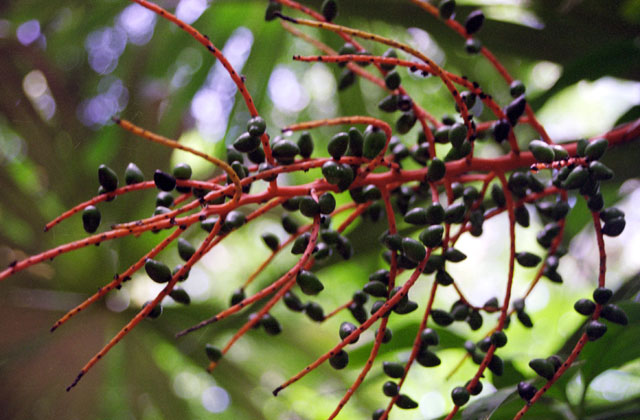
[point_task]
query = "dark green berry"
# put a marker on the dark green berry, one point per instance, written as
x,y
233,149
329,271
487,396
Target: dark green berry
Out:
x,y
516,88
285,151
595,150
256,126
164,199
615,314
185,249
526,390
602,295
107,178
429,337
447,8
338,145
405,402
499,338
163,180
413,250
524,319
541,151
595,330
527,259
472,45
157,271
457,134
293,302
271,240
441,317
182,171
389,103
91,219
515,109
309,207
270,324
374,141
460,396
584,307
309,283
329,9
300,244
392,80
237,296
133,174
474,22
436,171
427,358
393,370
496,365
155,312
305,144
542,367
431,237
314,311
390,389
346,328
213,353
180,296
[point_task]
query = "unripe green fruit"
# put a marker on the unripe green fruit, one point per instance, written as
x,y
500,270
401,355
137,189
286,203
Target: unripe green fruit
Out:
x,y
434,214
163,180
346,328
256,126
314,311
413,250
300,244
339,360
390,53
157,271
326,203
576,178
182,171
374,141
417,216
527,259
599,171
595,329
246,143
233,155
371,193
525,319
602,295
460,396
459,311
91,219
595,150
305,144
344,248
499,339
392,80
427,358
542,367
272,9
390,389
329,9
431,237
180,296
584,307
441,317
293,302
338,145
498,195
516,88
309,207
155,312
270,324
309,283
441,135
213,353
331,171
429,337
375,288
346,79
472,45
356,142
436,171
526,390
289,224
474,22
107,178
405,402
496,365
515,109
500,130
522,216
491,304
393,370
614,227
475,320
133,174
164,199
455,213
234,220
237,296
405,307
185,249
271,240
406,121
359,312
457,134
542,151
447,8
615,314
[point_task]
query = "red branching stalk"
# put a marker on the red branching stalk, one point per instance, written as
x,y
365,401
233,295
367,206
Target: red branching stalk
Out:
x,y
384,171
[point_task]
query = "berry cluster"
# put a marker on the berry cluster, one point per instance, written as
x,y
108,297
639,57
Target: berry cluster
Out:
x,y
436,190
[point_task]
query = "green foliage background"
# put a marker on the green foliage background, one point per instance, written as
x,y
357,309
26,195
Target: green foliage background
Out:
x,y
48,165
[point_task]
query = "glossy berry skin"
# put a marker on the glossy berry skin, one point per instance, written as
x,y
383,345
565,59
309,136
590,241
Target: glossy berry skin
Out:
x,y
91,219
